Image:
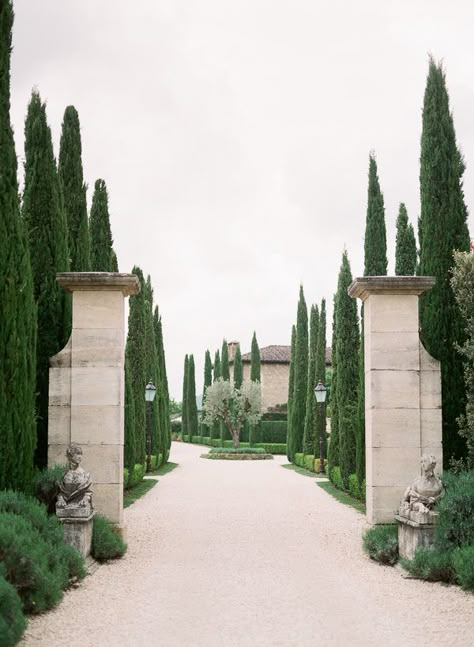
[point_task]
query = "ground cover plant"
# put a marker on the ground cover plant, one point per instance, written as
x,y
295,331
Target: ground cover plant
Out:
x,y
381,544
133,494
106,543
12,620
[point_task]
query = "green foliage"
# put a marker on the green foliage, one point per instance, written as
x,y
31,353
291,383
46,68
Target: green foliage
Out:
x,y
375,242
463,563
298,406
12,620
207,374
106,543
405,250
322,377
360,411
255,361
334,448
272,431
354,486
291,381
152,375
135,361
100,232
336,478
381,543
442,229
455,525
74,191
44,217
462,283
217,366
34,513
136,475
225,369
347,359
308,463
133,494
126,476
46,486
18,309
238,368
274,448
184,415
237,450
309,434
163,390
431,565
130,448
192,417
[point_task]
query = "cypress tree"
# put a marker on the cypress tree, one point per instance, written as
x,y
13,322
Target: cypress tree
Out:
x,y
135,357
442,229
291,389
301,379
74,191
321,376
192,417
217,366
44,217
405,249
18,310
225,369
309,436
255,361
163,390
184,408
129,457
151,369
207,382
375,243
100,233
238,368
114,262
347,357
334,445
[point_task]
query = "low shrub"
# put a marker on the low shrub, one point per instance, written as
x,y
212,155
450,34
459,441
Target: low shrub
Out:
x,y
12,620
336,478
429,564
298,459
455,527
137,475
237,450
463,564
106,543
73,560
381,543
274,448
308,463
274,431
354,486
30,564
35,513
126,476
46,486
244,456
362,490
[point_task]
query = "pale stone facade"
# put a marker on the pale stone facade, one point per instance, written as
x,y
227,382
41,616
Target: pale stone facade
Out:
x,y
274,381
402,390
86,391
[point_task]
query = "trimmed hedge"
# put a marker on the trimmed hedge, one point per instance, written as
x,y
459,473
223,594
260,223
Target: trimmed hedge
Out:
x,y
237,450
381,543
12,620
274,431
136,476
106,543
270,448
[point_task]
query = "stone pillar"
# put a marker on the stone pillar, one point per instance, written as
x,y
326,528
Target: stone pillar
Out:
x,y
402,390
86,390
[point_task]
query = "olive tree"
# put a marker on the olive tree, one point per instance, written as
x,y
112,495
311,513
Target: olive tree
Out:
x,y
233,406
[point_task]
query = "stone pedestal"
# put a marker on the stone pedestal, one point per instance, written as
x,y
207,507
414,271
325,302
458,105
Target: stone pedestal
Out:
x,y
402,390
86,390
78,533
414,534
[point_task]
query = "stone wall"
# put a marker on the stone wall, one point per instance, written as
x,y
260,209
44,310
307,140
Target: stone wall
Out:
x,y
274,378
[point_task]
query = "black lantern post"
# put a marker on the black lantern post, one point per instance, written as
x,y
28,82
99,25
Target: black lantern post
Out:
x,y
150,392
320,392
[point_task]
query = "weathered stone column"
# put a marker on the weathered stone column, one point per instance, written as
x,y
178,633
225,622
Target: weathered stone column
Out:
x,y
86,391
402,390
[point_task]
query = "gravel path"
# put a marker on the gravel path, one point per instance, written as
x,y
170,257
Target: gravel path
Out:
x,y
249,554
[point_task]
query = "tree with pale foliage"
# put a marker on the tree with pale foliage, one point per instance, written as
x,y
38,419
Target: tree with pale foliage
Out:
x,y
233,407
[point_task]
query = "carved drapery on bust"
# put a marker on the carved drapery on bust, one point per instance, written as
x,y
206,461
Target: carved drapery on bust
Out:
x,y
420,497
75,497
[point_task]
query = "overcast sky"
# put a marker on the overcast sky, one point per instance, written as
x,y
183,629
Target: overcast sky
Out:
x,y
234,139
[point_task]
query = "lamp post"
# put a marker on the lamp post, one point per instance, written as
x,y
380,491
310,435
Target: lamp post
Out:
x,y
320,392
150,392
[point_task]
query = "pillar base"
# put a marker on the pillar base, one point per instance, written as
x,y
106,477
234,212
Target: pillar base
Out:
x,y
78,533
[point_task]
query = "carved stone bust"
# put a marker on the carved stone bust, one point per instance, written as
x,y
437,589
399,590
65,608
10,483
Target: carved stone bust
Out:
x,y
75,497
420,498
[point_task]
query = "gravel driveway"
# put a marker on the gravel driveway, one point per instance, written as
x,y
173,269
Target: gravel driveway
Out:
x,y
229,553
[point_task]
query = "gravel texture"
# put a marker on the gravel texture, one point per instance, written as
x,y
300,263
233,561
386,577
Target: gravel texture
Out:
x,y
227,554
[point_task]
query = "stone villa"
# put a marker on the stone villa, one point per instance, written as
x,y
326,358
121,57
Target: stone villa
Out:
x,y
275,371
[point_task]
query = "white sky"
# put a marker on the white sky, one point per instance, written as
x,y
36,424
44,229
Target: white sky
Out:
x,y
234,140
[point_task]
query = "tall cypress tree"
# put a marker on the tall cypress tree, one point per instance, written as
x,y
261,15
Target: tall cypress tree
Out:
x,y
375,243
238,368
295,440
309,436
114,263
100,233
130,448
255,362
442,229
291,390
217,366
321,377
207,382
152,373
334,453
163,390
192,417
74,191
405,249
347,357
135,357
184,407
18,310
225,369
44,217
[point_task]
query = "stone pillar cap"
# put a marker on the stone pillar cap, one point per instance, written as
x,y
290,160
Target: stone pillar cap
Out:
x,y
364,286
99,281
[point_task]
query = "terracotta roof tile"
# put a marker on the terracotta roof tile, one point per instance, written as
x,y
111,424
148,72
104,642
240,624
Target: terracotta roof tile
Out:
x,y
279,355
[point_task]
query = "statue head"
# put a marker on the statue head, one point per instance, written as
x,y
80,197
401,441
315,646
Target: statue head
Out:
x,y
74,455
428,464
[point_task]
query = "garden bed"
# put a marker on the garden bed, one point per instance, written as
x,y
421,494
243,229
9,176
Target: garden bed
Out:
x,y
238,454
